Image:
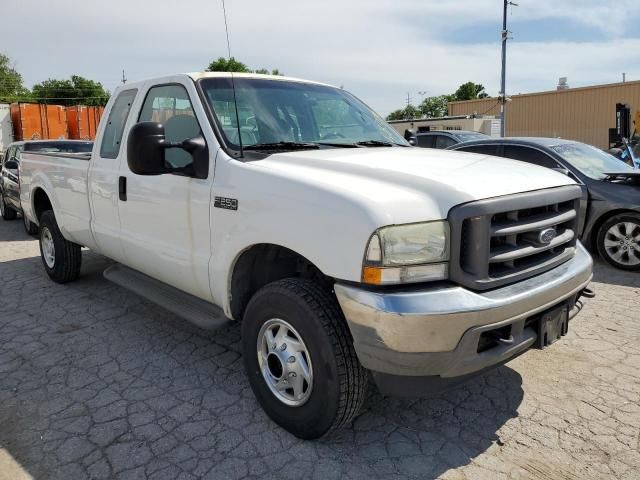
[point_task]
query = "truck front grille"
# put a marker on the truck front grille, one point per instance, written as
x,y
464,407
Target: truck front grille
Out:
x,y
506,239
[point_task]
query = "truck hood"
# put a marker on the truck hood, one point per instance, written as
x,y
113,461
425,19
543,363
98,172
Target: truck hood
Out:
x,y
395,180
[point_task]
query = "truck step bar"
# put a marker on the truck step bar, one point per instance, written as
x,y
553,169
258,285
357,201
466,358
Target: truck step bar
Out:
x,y
203,314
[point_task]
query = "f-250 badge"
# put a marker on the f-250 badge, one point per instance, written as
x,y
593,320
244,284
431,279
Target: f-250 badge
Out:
x,y
226,203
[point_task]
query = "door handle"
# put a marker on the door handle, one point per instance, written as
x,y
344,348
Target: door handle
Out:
x,y
122,188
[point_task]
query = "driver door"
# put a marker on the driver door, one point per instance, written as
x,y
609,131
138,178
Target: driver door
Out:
x,y
165,218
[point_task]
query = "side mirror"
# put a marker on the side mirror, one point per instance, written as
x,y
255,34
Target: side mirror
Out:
x,y
146,152
11,165
562,170
145,149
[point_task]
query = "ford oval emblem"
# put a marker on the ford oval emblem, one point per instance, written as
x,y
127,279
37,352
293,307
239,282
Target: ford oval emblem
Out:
x,y
547,235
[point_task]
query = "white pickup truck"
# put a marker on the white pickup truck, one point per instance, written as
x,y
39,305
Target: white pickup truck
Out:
x,y
291,207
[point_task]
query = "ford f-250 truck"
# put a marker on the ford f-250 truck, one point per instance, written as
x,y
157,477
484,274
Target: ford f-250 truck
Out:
x,y
291,207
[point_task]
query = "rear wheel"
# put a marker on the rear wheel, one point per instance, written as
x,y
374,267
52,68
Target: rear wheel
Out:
x,y
62,259
7,212
618,241
299,357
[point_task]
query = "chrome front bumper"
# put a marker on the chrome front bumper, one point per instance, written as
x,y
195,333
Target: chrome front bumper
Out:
x,y
435,331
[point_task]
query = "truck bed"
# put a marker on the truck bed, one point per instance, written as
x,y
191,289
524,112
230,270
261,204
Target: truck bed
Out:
x,y
64,175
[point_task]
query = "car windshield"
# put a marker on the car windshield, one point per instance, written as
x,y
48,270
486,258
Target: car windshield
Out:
x,y
592,162
289,114
59,147
467,137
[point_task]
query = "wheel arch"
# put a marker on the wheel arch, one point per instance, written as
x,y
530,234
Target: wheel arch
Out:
x,y
263,263
40,203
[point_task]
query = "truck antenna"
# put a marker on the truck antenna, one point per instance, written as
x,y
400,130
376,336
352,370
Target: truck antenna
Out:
x,y
233,83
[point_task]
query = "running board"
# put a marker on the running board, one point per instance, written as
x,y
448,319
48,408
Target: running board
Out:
x,y
197,311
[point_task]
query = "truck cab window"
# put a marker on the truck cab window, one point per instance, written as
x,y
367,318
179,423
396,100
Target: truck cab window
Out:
x,y
170,105
118,115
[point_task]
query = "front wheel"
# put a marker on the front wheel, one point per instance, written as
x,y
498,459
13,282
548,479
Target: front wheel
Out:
x,y
300,360
6,211
62,259
618,241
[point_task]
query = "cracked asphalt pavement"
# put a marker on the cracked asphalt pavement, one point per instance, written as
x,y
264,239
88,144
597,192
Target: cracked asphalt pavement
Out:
x,y
98,383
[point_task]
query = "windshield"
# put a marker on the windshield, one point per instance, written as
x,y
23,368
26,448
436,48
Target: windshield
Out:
x,y
467,137
276,111
590,161
59,147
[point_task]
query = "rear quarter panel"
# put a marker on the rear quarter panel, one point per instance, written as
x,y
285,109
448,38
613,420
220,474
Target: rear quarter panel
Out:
x,y
64,179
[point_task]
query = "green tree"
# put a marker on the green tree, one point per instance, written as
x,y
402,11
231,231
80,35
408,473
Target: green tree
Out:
x,y
407,113
470,91
232,65
432,107
77,90
264,71
11,87
228,65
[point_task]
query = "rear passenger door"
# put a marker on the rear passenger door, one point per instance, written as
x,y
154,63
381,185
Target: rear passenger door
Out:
x,y
107,155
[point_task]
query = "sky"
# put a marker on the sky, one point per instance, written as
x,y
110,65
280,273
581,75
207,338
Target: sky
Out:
x,y
380,50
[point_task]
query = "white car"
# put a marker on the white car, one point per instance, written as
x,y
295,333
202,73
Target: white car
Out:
x,y
304,216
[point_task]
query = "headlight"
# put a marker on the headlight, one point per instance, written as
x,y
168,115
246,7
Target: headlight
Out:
x,y
415,252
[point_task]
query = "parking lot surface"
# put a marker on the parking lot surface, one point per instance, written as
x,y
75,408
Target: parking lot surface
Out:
x,y
98,383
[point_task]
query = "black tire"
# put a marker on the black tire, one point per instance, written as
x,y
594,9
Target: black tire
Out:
x,y
67,256
8,213
29,227
627,255
339,381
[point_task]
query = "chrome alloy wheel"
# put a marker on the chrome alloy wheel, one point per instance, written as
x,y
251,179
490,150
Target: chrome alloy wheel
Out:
x,y
285,362
622,243
48,247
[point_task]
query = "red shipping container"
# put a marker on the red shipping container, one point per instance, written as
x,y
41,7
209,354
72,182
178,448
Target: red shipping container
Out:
x,y
83,121
37,121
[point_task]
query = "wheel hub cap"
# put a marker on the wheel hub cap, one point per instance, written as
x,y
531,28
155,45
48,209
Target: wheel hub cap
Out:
x,y
285,362
48,248
622,243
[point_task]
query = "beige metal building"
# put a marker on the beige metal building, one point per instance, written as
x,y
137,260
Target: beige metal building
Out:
x,y
585,114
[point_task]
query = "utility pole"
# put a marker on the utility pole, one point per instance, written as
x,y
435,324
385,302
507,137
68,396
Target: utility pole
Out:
x,y
124,79
503,86
408,99
624,77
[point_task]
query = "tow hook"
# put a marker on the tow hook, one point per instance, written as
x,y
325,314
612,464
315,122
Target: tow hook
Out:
x,y
586,293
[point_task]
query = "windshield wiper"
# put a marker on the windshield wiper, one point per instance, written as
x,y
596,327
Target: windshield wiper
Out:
x,y
282,146
361,144
613,176
377,143
374,143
